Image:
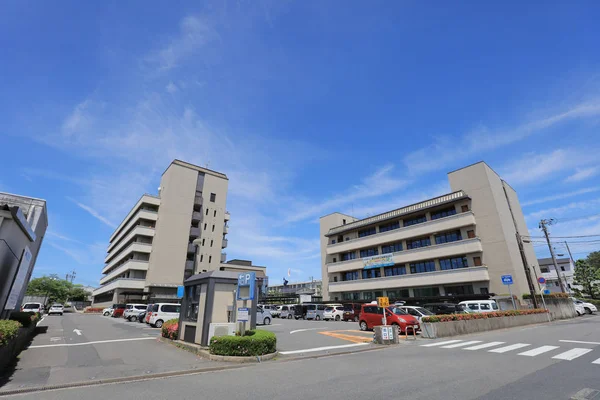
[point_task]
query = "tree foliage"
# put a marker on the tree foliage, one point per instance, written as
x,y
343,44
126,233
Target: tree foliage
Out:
x,y
587,276
58,290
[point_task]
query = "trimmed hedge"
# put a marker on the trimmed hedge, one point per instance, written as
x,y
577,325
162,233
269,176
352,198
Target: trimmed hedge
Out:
x,y
495,314
8,330
170,329
253,343
548,296
25,318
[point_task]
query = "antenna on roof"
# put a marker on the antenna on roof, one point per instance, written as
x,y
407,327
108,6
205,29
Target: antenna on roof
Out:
x,y
207,164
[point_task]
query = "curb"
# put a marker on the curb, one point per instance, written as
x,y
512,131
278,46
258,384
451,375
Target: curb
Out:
x,y
204,353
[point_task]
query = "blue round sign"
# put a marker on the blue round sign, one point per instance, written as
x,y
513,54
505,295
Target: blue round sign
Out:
x,y
542,280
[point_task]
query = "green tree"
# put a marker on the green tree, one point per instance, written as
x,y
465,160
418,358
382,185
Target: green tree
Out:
x,y
593,259
56,289
77,293
587,276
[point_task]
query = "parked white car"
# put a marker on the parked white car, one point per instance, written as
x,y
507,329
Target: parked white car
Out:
x,y
579,308
33,307
263,316
275,311
287,312
588,307
133,310
162,312
417,312
480,306
334,313
56,309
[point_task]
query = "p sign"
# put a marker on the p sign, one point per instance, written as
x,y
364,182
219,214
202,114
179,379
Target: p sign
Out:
x,y
507,280
246,284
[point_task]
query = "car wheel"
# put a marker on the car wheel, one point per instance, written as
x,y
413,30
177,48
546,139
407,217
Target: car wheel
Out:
x,y
158,323
267,321
289,317
61,314
356,319
106,314
337,318
363,326
397,328
318,318
588,310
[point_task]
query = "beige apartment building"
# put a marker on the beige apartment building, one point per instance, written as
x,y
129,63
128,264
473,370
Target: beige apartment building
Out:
x,y
460,243
167,238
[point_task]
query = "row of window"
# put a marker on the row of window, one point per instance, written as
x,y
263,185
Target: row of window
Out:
x,y
453,263
397,294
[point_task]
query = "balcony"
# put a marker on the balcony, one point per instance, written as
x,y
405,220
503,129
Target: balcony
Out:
x,y
452,222
196,216
447,277
423,253
191,248
225,229
133,247
141,214
223,257
189,265
195,232
224,243
198,200
227,216
140,230
123,283
138,265
135,211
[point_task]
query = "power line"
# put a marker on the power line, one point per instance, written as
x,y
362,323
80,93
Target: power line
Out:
x,y
562,237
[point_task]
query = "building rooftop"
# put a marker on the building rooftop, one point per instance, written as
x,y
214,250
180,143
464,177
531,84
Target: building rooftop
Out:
x,y
197,168
423,205
548,261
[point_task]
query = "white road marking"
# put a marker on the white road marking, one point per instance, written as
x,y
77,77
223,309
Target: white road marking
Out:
x,y
86,343
55,339
538,351
264,326
440,343
322,348
484,346
77,331
509,348
572,354
455,345
40,321
596,362
578,341
309,329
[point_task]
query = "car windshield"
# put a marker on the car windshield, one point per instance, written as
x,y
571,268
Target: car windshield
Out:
x,y
328,309
423,311
31,306
398,311
57,305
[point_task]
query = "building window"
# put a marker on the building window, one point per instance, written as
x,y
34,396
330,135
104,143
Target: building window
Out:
x,y
369,252
416,220
213,229
332,241
201,257
347,238
395,270
348,256
426,292
213,197
367,295
477,261
562,268
209,259
422,266
453,263
443,213
390,248
544,270
371,273
350,276
215,213
211,243
397,294
204,226
389,227
458,290
203,242
334,259
484,290
335,278
367,232
471,234
556,283
464,208
447,237
347,296
192,303
343,222
416,243
207,211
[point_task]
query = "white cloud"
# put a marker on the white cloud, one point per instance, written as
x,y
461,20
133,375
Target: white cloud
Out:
x,y
560,196
447,150
79,119
171,88
582,174
94,213
556,212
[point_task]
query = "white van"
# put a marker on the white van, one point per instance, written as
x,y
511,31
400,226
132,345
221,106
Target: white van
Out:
x,y
287,312
133,310
480,306
162,312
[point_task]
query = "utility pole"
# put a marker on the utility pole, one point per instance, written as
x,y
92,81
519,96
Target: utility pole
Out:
x,y
569,250
527,271
543,227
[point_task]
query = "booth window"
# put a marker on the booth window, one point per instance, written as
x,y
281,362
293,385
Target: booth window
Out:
x,y
192,303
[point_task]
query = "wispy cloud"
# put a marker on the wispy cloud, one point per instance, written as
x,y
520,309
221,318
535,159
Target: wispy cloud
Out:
x,y
447,150
557,212
560,196
62,237
93,213
171,88
582,174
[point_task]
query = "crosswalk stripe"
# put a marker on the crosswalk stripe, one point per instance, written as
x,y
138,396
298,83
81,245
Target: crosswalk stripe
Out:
x,y
596,361
440,343
572,354
452,346
509,348
538,351
484,346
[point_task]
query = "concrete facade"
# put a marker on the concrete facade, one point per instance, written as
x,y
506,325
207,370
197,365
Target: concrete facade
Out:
x,y
23,224
456,244
167,238
566,269
314,287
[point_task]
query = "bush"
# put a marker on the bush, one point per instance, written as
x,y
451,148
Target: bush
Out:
x,y
25,318
495,314
8,330
253,343
93,310
170,329
548,296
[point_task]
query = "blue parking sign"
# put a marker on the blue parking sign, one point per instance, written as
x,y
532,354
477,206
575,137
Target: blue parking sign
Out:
x,y
507,280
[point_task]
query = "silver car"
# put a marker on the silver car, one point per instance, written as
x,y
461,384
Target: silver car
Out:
x,y
263,316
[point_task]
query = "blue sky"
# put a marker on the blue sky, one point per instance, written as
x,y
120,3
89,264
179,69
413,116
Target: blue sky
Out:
x,y
309,107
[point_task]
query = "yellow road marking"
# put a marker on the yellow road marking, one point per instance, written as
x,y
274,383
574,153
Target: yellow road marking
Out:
x,y
350,338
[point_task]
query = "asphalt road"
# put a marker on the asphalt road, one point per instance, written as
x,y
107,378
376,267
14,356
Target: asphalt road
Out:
x,y
104,348
555,367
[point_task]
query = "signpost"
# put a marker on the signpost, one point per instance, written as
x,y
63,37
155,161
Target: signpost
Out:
x,y
242,314
508,280
383,302
245,291
542,285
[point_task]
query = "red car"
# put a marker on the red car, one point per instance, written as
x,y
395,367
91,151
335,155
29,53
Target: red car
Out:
x,y
351,311
371,315
118,311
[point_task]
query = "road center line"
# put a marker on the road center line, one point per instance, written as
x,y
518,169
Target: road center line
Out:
x,y
578,341
86,343
322,348
308,329
40,321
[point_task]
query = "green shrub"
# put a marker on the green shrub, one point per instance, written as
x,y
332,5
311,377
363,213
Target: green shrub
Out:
x,y
170,329
8,330
253,343
25,318
494,314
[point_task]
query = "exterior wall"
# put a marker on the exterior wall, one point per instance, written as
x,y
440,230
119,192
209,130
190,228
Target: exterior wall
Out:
x,y
327,222
495,224
567,275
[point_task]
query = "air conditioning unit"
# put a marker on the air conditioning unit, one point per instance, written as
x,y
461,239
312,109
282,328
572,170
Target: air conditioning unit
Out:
x,y
221,329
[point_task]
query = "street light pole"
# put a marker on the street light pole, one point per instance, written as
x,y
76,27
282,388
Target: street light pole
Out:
x,y
544,228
